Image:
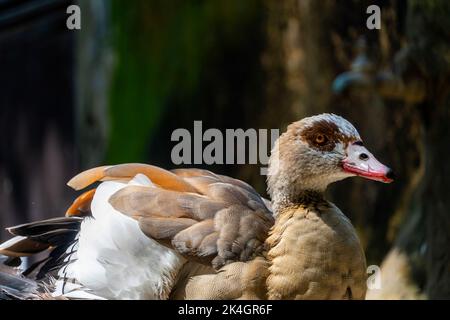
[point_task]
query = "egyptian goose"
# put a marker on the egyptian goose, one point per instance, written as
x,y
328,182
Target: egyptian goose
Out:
x,y
148,233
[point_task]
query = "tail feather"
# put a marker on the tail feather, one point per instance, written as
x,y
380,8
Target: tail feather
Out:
x,y
44,226
51,240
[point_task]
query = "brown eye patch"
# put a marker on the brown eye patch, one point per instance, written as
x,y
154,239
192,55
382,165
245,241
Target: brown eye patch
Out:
x,y
322,135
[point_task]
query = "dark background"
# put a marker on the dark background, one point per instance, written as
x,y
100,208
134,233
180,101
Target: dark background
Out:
x,y
115,90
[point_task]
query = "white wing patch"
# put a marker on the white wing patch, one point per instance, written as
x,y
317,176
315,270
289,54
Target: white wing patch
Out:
x,y
115,260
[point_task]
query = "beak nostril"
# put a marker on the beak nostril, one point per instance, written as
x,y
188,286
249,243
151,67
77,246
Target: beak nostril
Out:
x,y
390,174
363,156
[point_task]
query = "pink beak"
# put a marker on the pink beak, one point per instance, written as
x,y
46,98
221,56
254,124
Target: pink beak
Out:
x,y
362,163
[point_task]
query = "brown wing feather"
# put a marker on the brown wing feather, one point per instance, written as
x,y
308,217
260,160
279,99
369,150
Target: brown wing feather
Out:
x,y
141,201
192,172
164,228
201,214
189,240
223,224
200,177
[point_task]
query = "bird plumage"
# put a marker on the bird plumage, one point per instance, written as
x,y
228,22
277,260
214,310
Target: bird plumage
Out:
x,y
150,233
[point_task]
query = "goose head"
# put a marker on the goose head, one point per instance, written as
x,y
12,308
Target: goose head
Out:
x,y
317,151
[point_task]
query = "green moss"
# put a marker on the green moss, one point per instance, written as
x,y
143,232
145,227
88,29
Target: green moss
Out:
x,y
160,48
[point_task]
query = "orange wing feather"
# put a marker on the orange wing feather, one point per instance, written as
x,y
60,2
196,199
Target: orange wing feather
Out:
x,y
81,205
163,178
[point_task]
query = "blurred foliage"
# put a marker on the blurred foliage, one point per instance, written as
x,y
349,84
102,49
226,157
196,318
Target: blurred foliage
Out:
x,y
160,48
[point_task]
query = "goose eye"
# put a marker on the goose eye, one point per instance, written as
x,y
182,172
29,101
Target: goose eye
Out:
x,y
321,139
